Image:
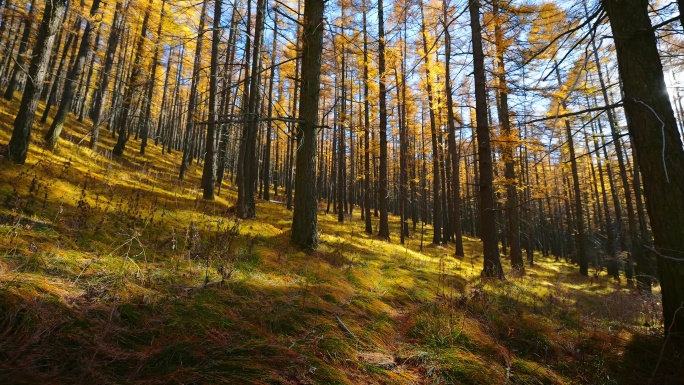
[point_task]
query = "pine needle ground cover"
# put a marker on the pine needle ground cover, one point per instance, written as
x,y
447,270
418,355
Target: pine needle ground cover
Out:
x,y
112,271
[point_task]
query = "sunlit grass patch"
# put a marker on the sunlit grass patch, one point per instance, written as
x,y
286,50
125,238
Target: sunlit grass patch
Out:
x,y
457,366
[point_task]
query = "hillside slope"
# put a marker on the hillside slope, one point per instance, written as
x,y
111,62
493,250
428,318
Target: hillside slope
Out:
x,y
112,271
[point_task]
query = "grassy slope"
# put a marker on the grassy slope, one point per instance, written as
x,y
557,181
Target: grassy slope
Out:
x,y
111,271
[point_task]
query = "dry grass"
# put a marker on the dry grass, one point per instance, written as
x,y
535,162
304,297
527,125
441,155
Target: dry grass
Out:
x,y
111,271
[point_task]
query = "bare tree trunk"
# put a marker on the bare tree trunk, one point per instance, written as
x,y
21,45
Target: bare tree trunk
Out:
x,y
383,231
112,44
492,263
652,124
192,103
305,218
134,83
21,134
209,170
454,154
636,252
246,203
89,77
403,141
224,143
579,217
59,74
151,86
269,129
436,183
366,130
52,136
508,148
23,47
341,139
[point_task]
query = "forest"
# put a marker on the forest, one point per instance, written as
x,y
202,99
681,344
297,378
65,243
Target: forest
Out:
x,y
341,192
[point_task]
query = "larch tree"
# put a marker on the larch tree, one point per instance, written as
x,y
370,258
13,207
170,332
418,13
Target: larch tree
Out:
x,y
247,160
508,145
40,56
305,216
209,170
18,69
451,136
490,249
133,87
103,86
194,97
436,180
383,231
69,92
652,124
366,128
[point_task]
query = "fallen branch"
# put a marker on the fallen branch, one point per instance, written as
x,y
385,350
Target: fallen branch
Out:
x,y
345,328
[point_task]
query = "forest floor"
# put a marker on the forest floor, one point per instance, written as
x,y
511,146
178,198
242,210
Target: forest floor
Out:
x,y
112,271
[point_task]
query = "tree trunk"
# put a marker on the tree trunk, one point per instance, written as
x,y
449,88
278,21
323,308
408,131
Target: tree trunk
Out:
x,y
451,138
112,44
403,141
229,105
193,101
21,134
59,74
366,130
23,47
151,86
436,183
508,148
52,136
652,124
492,263
342,138
383,231
134,83
305,220
209,170
246,203
636,252
269,129
579,217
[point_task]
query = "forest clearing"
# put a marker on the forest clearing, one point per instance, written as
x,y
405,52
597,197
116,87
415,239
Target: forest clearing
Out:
x,y
348,192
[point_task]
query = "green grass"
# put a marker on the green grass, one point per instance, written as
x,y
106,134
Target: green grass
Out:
x,y
111,271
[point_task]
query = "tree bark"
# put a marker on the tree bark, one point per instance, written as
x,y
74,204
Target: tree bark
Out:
x,y
21,134
451,138
193,101
492,263
305,217
59,74
342,138
269,129
436,182
209,170
151,86
132,86
508,148
247,177
112,44
383,231
652,124
52,136
23,47
366,130
580,238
